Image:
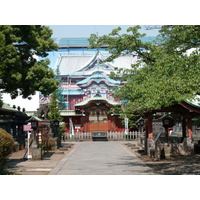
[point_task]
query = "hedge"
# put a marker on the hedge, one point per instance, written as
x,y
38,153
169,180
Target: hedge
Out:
x,y
6,146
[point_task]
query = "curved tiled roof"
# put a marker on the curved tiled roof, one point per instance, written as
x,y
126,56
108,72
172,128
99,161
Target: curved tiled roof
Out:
x,y
69,113
83,103
194,102
98,77
73,57
8,107
83,63
70,63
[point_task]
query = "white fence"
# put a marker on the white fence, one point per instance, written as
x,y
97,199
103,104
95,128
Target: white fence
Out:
x,y
77,136
115,136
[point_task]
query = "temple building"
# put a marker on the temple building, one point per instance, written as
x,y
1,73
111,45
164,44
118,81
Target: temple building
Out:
x,y
86,89
12,120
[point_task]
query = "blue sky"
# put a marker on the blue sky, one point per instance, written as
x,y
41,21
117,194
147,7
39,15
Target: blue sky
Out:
x,y
86,30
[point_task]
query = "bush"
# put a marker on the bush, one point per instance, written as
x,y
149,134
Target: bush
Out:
x,y
49,144
6,146
16,146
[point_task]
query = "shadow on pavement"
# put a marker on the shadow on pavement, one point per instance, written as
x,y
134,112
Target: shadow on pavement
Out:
x,y
176,165
47,155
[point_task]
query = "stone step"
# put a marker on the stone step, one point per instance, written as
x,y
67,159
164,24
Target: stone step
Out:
x,y
59,152
135,148
64,148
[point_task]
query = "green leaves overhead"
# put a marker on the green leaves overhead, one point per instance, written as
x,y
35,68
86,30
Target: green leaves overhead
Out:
x,y
20,70
168,70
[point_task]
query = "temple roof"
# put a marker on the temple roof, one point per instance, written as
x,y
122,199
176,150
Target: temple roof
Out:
x,y
97,99
87,62
64,113
187,106
34,118
98,77
70,63
6,108
194,102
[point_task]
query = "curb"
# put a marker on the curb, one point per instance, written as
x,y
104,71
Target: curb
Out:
x,y
60,164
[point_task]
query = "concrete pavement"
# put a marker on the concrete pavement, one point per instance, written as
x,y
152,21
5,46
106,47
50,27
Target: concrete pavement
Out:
x,y
20,166
100,158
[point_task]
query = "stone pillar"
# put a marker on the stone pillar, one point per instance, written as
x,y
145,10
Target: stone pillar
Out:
x,y
184,126
36,153
188,146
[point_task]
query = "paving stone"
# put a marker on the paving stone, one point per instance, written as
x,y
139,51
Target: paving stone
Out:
x,y
100,158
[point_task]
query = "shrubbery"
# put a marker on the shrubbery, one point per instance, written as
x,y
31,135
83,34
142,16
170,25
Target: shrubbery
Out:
x,y
6,146
49,144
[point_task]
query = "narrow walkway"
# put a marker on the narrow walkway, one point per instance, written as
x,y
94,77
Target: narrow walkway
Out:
x,y
101,158
18,165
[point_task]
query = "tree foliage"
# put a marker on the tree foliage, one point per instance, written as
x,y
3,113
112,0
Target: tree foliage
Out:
x,y
167,71
54,113
54,107
21,72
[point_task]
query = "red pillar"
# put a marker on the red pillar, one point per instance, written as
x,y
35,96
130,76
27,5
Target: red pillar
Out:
x,y
109,125
149,127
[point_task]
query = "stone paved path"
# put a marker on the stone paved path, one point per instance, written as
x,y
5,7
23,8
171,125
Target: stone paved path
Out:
x,y
101,158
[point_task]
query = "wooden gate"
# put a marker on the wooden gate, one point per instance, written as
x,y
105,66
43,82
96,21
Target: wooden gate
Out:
x,y
98,126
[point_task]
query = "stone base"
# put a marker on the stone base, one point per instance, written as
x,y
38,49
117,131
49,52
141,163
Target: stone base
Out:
x,y
166,150
36,153
184,148
150,147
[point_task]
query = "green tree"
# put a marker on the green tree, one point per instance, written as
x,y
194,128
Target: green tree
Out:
x,y
20,71
60,97
54,108
165,72
54,114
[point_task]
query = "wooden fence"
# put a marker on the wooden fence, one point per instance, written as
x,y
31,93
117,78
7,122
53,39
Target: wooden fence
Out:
x,y
113,136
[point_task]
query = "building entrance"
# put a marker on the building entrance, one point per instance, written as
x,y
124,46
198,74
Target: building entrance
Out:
x,y
98,120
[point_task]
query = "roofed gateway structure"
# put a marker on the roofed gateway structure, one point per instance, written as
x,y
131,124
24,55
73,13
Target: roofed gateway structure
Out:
x,y
181,132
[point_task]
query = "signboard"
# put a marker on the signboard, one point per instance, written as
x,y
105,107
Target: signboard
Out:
x,y
71,127
126,125
27,127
